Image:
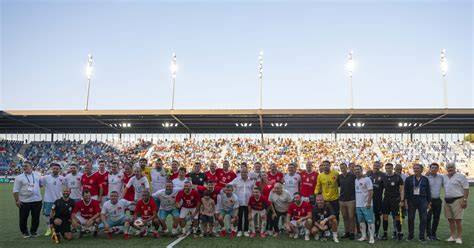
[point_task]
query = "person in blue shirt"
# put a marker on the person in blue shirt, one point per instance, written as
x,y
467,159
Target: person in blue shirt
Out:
x,y
418,197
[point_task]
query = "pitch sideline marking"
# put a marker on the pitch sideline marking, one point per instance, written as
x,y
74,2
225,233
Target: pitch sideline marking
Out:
x,y
176,241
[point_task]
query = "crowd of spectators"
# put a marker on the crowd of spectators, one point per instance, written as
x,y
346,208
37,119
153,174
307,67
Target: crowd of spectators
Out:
x,y
279,151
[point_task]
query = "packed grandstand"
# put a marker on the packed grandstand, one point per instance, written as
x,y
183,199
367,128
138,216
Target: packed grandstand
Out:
x,y
280,151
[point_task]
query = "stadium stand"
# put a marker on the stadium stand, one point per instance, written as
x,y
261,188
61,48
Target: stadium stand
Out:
x,y
280,151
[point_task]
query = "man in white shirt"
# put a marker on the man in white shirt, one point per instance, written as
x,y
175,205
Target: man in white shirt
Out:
x,y
115,180
364,209
113,214
167,198
139,182
73,182
292,179
243,186
227,204
158,177
456,188
27,195
158,180
178,183
280,200
53,186
257,171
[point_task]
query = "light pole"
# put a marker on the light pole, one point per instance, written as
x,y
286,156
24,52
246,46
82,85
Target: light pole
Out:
x,y
174,68
350,69
444,72
89,76
260,76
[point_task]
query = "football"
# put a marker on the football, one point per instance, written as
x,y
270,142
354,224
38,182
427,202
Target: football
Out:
x,y
138,223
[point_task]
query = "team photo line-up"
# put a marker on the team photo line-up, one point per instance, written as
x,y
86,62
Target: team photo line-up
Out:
x,y
136,199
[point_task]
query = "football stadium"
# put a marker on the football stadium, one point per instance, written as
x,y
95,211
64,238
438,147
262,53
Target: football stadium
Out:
x,y
236,123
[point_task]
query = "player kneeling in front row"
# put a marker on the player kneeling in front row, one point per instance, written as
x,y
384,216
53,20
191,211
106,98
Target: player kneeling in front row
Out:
x,y
145,215
86,214
324,220
167,197
60,217
189,201
228,204
113,215
258,205
298,219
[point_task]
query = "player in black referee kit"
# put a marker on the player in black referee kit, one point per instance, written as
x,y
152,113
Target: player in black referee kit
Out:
x,y
393,201
377,178
61,215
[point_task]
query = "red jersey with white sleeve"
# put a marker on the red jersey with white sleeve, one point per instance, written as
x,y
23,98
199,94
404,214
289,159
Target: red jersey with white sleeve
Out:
x,y
90,183
103,179
145,209
225,177
86,210
277,178
298,212
130,195
189,200
260,204
308,183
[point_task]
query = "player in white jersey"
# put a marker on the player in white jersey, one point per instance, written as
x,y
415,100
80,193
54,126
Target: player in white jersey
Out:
x,y
158,177
115,180
139,182
292,179
228,204
167,207
73,182
178,183
113,214
53,186
364,204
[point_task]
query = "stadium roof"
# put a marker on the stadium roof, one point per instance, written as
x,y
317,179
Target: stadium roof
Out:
x,y
239,121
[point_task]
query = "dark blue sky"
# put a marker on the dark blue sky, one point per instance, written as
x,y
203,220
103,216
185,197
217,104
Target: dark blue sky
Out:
x,y
396,47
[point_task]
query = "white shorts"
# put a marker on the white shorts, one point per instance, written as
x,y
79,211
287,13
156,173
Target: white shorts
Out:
x,y
81,219
261,213
187,211
306,199
95,197
295,224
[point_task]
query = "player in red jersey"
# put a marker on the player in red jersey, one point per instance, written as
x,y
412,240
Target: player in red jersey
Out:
x,y
308,181
225,175
189,201
145,211
299,217
103,182
265,185
90,182
274,175
211,174
174,170
89,214
130,195
258,205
